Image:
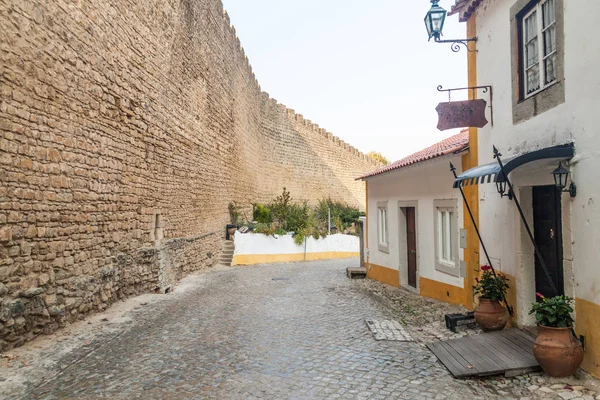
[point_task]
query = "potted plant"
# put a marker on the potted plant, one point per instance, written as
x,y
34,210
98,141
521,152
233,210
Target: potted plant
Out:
x,y
490,315
556,348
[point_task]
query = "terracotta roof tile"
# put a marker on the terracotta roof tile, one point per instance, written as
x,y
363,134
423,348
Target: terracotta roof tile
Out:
x,y
450,145
464,8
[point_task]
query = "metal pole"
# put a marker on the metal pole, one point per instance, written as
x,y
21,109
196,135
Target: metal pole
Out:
x,y
329,220
538,253
453,169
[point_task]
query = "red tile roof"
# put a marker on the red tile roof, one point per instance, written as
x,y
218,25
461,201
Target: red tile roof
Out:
x,y
464,8
450,145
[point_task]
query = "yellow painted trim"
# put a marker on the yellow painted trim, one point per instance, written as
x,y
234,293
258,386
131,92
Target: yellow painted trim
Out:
x,y
367,215
249,259
587,323
442,291
470,160
383,274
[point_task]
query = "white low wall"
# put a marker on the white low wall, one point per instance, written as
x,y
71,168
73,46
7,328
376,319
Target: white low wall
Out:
x,y
256,248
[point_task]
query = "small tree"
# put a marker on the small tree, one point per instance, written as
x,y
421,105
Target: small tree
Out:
x,y
378,157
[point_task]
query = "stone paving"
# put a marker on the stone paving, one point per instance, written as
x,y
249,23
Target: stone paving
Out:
x,y
279,331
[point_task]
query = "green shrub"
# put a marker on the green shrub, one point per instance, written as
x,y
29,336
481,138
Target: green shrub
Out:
x,y
266,229
261,214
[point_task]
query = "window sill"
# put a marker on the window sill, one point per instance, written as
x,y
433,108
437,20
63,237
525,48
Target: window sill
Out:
x,y
384,248
447,268
534,94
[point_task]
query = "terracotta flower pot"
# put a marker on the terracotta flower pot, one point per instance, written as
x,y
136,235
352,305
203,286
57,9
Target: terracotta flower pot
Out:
x,y
490,315
558,351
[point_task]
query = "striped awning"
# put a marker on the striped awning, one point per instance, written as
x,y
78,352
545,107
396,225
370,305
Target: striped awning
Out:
x,y
489,173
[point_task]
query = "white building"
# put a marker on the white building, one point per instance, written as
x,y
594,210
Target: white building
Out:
x,y
414,217
541,58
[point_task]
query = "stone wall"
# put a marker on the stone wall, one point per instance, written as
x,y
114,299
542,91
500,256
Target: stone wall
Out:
x,y
126,128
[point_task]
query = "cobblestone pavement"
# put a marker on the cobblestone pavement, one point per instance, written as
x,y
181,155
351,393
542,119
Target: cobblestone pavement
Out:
x,y
280,331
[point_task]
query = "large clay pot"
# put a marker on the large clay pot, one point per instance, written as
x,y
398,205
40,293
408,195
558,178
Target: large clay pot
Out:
x,y
490,315
558,351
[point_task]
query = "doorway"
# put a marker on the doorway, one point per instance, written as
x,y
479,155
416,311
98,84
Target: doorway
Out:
x,y
411,246
547,231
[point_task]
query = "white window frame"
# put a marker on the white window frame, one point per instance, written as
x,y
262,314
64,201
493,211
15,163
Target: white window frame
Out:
x,y
382,227
541,48
446,236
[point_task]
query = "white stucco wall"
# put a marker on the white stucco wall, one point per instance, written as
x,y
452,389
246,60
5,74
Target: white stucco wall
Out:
x,y
575,120
421,183
256,243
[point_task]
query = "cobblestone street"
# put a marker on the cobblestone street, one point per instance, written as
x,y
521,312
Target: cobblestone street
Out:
x,y
271,331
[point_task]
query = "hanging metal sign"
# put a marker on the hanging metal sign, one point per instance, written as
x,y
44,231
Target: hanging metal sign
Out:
x,y
461,114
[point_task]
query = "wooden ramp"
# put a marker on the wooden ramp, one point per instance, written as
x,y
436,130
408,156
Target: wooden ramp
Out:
x,y
508,352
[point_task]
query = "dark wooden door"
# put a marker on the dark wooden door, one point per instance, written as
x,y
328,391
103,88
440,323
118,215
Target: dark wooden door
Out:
x,y
547,230
411,246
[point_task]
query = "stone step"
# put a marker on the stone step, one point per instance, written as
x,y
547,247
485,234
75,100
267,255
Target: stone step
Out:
x,y
356,272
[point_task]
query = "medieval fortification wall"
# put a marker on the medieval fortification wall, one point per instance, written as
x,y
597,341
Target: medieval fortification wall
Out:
x,y
126,128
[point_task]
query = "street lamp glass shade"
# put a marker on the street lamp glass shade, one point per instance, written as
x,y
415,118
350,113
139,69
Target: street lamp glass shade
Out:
x,y
434,20
561,174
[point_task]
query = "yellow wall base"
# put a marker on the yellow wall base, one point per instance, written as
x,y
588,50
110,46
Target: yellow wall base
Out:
x,y
383,274
442,291
588,324
249,259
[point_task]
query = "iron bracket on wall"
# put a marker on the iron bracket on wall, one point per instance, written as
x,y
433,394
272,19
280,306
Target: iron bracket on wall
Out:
x,y
484,89
455,44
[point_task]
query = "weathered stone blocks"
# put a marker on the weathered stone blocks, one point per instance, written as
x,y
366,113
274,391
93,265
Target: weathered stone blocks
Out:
x,y
123,137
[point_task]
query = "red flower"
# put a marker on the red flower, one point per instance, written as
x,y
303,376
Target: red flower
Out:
x,y
485,268
538,294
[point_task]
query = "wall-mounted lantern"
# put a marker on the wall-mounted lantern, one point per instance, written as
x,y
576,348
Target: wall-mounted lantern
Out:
x,y
501,188
434,22
561,177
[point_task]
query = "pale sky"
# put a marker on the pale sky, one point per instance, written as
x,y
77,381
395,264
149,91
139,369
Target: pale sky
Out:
x,y
361,69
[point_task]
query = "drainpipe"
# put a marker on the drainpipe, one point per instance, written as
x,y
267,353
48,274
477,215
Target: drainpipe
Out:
x,y
305,248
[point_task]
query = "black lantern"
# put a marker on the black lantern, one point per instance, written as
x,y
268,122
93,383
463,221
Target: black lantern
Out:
x,y
501,187
434,20
561,176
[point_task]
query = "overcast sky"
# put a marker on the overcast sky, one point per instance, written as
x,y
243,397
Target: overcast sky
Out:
x,y
361,69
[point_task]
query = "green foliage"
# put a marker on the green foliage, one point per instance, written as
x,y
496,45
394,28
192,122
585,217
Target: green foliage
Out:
x,y
489,286
262,214
378,157
267,229
554,311
280,206
234,213
300,237
343,216
283,215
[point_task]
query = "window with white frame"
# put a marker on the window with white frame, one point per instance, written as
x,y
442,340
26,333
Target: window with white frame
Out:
x,y
539,47
446,225
446,235
382,226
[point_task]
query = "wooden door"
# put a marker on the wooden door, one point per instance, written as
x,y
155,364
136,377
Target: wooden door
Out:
x,y
411,246
547,230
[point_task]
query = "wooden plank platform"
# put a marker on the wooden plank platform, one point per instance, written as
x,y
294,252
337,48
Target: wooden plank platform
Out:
x,y
508,352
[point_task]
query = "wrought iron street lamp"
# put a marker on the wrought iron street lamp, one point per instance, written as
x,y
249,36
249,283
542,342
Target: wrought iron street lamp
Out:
x,y
434,22
561,176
